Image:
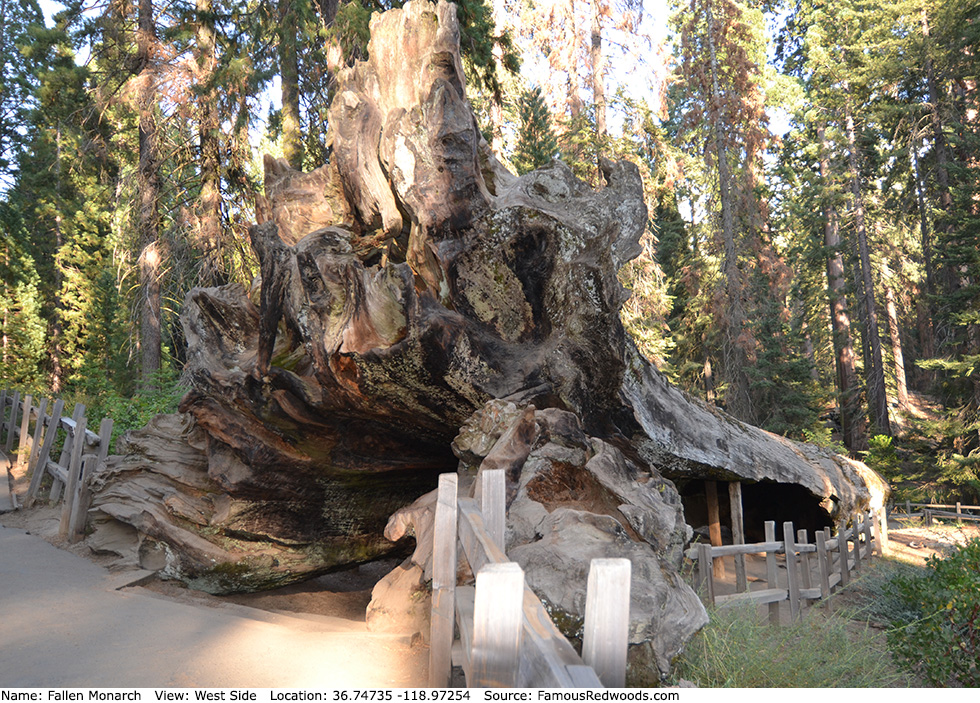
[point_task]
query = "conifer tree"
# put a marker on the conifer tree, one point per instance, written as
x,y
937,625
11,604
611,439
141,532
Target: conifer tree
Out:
x,y
536,141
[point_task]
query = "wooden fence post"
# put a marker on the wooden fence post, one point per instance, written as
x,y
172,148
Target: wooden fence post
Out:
x,y
843,553
706,571
25,431
82,496
73,476
801,538
443,583
498,621
38,434
493,504
771,572
928,516
857,545
738,534
607,619
868,537
792,576
56,485
54,423
823,564
881,530
14,407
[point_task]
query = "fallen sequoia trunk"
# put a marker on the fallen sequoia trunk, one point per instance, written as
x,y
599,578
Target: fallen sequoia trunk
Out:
x,y
422,310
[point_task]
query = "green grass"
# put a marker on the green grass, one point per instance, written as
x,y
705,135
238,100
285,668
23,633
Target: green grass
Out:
x,y
739,649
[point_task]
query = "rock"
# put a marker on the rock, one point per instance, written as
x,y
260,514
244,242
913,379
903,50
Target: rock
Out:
x,y
401,602
573,498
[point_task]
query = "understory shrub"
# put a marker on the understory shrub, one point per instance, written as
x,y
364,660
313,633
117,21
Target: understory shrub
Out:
x,y
939,639
740,649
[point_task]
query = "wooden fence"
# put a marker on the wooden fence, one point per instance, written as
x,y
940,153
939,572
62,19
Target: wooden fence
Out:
x,y
83,453
931,511
506,637
833,557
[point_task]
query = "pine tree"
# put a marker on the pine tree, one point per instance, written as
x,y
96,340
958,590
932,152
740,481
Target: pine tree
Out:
x,y
536,141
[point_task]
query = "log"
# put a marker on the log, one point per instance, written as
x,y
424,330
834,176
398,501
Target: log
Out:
x,y
421,310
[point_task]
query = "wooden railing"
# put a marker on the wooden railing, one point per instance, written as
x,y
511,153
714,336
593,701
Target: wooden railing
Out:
x,y
835,558
83,452
931,511
506,637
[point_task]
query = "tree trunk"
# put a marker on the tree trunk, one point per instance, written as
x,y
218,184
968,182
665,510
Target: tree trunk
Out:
x,y
148,186
737,399
292,137
877,397
924,303
597,69
853,425
898,358
209,141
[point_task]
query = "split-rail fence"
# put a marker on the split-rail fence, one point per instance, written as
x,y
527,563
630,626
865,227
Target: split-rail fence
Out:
x,y
930,512
835,556
506,637
37,432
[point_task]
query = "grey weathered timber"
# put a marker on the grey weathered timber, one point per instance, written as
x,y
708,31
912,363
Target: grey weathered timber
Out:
x,y
771,573
69,424
465,599
843,556
493,504
927,515
773,596
38,435
70,438
792,575
582,675
443,582
714,523
823,564
73,476
706,571
801,541
12,422
77,499
41,467
25,434
478,546
547,654
856,531
82,497
607,619
881,530
868,537
498,619
738,533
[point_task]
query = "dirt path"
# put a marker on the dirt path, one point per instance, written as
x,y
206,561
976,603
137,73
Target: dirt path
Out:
x,y
67,621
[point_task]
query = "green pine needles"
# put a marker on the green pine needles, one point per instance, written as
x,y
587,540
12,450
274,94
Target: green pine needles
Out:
x,y
536,141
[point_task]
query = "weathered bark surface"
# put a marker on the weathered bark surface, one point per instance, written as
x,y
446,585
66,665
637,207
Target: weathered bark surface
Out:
x,y
434,313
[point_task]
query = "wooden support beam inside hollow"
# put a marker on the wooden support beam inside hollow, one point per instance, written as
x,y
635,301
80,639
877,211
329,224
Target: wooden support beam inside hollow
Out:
x,y
714,524
738,534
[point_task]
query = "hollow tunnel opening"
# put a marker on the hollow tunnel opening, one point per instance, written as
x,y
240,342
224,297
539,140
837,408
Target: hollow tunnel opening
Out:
x,y
761,501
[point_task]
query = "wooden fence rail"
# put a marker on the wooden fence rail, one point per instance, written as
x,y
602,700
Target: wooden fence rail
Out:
x,y
83,452
833,557
506,637
931,511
